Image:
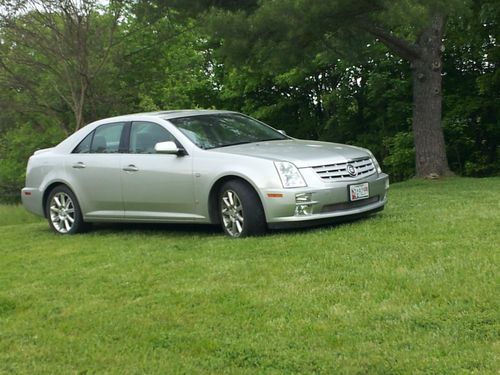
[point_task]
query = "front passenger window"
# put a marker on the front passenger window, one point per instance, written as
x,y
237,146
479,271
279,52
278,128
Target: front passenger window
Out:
x,y
145,135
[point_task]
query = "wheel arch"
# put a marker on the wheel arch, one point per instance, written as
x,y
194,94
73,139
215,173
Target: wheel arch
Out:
x,y
214,194
49,189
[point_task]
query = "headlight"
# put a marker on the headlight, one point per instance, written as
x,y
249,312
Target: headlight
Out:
x,y
289,175
375,162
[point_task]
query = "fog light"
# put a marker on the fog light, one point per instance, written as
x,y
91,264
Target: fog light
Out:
x,y
303,198
304,204
303,210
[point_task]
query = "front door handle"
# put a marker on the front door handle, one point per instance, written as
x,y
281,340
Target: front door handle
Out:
x,y
79,165
131,168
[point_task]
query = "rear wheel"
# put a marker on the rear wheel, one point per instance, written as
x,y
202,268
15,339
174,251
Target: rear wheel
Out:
x,y
63,211
240,210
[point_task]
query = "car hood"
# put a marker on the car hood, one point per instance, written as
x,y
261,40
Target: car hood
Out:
x,y
300,152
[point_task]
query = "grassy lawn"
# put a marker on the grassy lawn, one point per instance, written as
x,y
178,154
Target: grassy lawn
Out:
x,y
413,289
13,214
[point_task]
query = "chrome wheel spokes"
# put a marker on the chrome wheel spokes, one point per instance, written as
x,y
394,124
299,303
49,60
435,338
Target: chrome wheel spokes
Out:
x,y
232,213
62,212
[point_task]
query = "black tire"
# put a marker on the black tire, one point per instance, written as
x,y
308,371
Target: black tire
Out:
x,y
240,210
63,211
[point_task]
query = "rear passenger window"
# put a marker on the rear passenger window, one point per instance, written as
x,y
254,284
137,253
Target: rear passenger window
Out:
x,y
106,138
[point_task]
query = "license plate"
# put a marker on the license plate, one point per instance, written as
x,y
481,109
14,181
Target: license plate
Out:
x,y
359,191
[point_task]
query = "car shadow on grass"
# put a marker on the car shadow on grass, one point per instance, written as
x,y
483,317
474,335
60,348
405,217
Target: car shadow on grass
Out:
x,y
211,230
191,229
339,222
156,228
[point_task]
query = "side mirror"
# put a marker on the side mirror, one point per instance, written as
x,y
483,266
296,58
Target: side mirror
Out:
x,y
170,148
282,132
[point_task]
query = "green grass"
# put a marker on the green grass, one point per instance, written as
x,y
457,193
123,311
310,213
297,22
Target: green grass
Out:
x,y
14,214
413,289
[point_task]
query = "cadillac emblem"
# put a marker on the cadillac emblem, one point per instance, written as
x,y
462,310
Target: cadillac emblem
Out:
x,y
351,170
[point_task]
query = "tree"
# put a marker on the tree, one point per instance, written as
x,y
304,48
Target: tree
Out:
x,y
424,55
165,65
472,90
278,35
69,41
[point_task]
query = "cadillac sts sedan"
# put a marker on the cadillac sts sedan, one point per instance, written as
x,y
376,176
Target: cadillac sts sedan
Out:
x,y
199,166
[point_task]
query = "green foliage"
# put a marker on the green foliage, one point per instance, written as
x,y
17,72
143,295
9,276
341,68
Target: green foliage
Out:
x,y
479,165
472,91
54,65
411,290
16,146
293,64
473,146
341,90
165,66
400,163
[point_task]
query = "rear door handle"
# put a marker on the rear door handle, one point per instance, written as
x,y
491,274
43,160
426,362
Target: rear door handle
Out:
x,y
131,168
79,165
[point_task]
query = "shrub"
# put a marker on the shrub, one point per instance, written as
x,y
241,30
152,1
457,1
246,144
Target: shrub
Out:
x,y
16,146
400,164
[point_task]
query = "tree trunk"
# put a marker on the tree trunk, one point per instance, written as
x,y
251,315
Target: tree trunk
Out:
x,y
426,63
431,160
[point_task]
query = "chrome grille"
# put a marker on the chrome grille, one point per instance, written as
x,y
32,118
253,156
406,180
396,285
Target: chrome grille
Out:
x,y
335,172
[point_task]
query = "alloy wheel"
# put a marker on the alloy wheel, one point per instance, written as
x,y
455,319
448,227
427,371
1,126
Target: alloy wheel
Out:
x,y
232,213
62,212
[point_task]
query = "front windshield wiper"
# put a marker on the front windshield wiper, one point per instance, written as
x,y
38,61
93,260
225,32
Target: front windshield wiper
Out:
x,y
233,144
244,142
271,139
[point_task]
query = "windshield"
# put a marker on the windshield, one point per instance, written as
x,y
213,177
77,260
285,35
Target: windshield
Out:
x,y
226,129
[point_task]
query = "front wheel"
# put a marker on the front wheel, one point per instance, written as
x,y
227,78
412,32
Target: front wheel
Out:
x,y
63,211
240,210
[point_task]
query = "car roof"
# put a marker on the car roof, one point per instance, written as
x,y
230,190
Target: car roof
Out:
x,y
69,143
166,115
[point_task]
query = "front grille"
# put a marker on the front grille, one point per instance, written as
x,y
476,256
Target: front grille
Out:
x,y
349,205
338,172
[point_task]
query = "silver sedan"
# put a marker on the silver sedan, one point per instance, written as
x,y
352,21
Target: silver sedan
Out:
x,y
199,166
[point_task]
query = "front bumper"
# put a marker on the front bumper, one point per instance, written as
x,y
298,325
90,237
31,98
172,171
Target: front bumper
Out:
x,y
328,203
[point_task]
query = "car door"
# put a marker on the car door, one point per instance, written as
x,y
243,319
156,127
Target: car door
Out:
x,y
156,187
95,174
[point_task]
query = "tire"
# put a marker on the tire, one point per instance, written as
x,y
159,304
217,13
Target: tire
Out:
x,y
63,211
240,210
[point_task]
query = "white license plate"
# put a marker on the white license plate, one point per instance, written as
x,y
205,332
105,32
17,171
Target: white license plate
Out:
x,y
357,192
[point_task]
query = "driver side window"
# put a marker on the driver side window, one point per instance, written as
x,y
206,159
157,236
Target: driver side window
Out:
x,y
145,135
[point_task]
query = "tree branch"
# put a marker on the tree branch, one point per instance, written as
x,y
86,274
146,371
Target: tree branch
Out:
x,y
401,47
